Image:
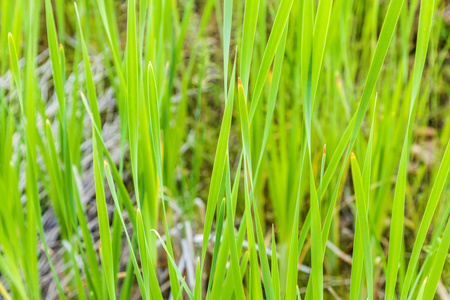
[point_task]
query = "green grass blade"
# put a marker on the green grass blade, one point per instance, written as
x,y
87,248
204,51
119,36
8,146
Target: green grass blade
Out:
x,y
115,173
243,115
235,271
112,188
396,230
103,219
422,290
248,36
384,40
144,255
172,261
362,222
156,140
88,73
198,280
433,200
438,265
151,285
227,19
133,98
316,241
358,243
218,239
218,167
295,242
425,21
275,272
319,41
274,85
279,24
54,56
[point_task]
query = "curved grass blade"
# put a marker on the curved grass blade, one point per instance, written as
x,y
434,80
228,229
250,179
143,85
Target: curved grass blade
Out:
x,y
116,175
172,261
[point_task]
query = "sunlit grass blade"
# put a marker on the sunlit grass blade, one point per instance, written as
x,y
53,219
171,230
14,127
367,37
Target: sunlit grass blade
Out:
x,y
55,58
172,261
425,21
113,43
151,285
154,82
316,241
362,222
144,255
248,36
216,281
320,34
274,85
218,167
133,95
4,293
217,244
230,279
292,275
235,271
358,243
89,78
384,40
279,24
112,188
156,143
198,280
103,219
275,272
396,230
422,290
33,215
250,200
227,19
255,284
438,265
435,194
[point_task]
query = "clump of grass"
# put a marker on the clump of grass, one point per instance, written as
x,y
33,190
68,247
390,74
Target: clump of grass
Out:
x,y
224,183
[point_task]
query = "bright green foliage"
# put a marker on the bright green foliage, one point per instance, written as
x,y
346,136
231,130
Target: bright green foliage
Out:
x,y
175,149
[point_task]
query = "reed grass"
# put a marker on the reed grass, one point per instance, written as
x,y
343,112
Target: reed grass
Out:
x,y
234,165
